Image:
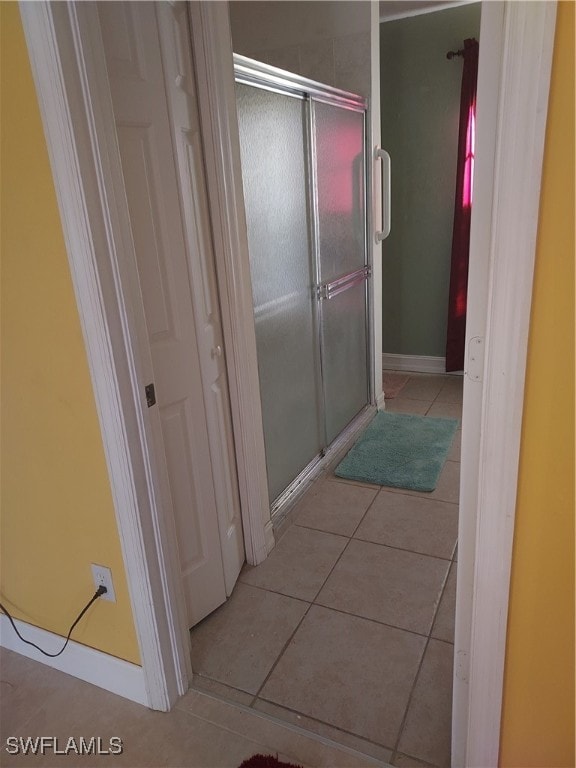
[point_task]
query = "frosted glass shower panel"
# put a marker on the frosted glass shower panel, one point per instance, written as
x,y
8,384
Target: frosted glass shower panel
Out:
x,y
274,173
345,360
340,169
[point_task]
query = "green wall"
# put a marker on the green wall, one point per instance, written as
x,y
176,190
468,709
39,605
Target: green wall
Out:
x,y
420,92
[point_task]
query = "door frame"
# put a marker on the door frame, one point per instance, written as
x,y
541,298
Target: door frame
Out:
x,y
512,104
66,59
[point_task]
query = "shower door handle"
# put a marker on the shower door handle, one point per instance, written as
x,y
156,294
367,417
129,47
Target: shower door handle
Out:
x,y
341,284
385,194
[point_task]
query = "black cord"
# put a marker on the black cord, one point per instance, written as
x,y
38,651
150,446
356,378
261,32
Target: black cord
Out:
x,y
99,592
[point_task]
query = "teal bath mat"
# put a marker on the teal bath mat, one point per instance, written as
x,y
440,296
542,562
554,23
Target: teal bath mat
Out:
x,y
400,450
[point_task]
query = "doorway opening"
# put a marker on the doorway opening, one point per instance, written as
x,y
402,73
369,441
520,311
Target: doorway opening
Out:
x,y
420,91
347,628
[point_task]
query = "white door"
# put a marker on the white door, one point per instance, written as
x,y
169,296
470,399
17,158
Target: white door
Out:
x,y
149,63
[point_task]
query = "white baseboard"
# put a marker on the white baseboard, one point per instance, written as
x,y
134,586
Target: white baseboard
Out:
x,y
416,363
108,672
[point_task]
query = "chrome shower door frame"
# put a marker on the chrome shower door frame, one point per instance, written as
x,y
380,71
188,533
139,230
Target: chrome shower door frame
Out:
x,y
264,76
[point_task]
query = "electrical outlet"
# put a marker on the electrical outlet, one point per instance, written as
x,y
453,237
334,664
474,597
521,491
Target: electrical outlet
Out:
x,y
103,578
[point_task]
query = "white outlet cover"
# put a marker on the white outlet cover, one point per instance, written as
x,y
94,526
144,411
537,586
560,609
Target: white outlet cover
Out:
x,y
103,577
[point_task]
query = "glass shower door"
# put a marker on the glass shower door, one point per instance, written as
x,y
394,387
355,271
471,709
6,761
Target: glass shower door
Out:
x,y
274,152
341,243
303,170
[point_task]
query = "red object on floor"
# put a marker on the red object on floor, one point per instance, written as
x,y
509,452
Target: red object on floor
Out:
x,y
266,761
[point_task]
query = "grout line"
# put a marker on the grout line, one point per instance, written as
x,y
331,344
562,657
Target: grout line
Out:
x,y
324,722
403,549
276,592
332,569
444,642
447,559
423,763
426,495
409,702
442,591
345,613
284,647
374,621
354,483
219,694
289,640
369,507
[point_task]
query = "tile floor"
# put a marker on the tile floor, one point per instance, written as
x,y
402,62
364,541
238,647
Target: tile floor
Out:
x,y
347,628
200,732
336,652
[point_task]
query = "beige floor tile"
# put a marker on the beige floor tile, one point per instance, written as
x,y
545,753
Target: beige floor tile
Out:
x,y
403,405
349,672
289,740
298,565
214,688
445,410
322,729
405,761
238,644
443,627
421,525
346,481
423,387
447,488
149,738
427,730
451,391
334,507
210,733
388,585
24,686
456,447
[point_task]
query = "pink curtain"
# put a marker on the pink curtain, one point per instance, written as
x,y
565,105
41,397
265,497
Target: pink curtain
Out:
x,y
456,334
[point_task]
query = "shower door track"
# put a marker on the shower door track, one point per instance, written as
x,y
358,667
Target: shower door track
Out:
x,y
288,498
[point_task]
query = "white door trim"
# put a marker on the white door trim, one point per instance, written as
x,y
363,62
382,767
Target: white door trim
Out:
x,y
74,115
214,69
525,63
70,74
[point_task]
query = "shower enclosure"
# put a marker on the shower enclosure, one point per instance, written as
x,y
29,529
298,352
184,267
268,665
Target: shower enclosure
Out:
x,y
303,150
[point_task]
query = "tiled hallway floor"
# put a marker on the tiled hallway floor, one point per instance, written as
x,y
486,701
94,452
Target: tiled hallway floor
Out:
x,y
200,732
347,628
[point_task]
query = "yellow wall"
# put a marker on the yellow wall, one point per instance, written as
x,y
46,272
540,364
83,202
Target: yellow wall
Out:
x,y
538,716
57,512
